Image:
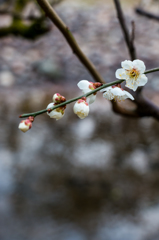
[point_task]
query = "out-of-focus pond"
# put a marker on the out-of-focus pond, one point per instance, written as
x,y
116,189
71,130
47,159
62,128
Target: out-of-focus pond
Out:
x,y
73,179
95,178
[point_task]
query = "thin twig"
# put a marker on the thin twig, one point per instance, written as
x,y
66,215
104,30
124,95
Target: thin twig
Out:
x,y
34,114
70,39
129,43
116,108
144,106
146,14
152,70
132,32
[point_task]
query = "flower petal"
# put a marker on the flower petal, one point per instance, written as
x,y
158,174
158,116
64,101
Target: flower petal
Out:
x,y
86,90
105,89
117,91
120,73
50,105
83,84
138,64
91,98
108,95
132,85
142,80
56,114
128,95
127,64
81,109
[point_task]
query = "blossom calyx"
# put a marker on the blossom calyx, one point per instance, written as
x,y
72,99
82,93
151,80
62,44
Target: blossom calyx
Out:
x,y
25,125
31,118
57,98
81,108
133,73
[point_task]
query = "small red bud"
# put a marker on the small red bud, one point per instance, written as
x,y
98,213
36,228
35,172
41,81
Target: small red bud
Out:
x,y
63,99
118,85
31,118
49,110
97,84
83,98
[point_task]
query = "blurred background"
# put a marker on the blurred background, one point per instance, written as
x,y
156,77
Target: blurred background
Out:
x,y
73,179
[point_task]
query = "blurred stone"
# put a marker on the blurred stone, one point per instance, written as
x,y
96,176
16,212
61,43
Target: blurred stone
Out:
x,y
5,20
49,68
138,160
32,55
87,154
84,129
155,83
8,53
6,79
18,67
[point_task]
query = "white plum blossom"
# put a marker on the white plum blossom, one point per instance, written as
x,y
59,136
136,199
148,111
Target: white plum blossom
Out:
x,y
133,73
116,93
57,113
86,87
81,108
25,125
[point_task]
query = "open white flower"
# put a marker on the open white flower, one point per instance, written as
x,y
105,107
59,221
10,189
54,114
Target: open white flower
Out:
x,y
25,125
81,108
116,93
133,73
57,113
86,87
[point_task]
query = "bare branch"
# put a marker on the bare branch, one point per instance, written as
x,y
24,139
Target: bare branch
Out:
x,y
129,41
132,32
144,106
146,14
70,39
122,111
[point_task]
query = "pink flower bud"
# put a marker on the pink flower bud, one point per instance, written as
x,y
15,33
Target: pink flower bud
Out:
x,y
57,98
81,108
25,125
97,84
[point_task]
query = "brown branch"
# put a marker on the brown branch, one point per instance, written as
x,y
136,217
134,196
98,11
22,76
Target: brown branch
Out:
x,y
132,38
144,106
70,39
146,14
132,32
122,111
129,41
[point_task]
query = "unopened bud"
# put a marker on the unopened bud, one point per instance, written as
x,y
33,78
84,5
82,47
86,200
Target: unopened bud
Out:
x,y
31,118
25,125
57,113
84,98
81,108
57,98
97,84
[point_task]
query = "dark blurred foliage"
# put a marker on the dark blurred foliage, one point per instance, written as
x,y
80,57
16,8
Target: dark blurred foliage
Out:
x,y
30,26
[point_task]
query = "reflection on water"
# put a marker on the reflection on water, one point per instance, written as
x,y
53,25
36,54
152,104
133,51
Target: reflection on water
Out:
x,y
78,179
